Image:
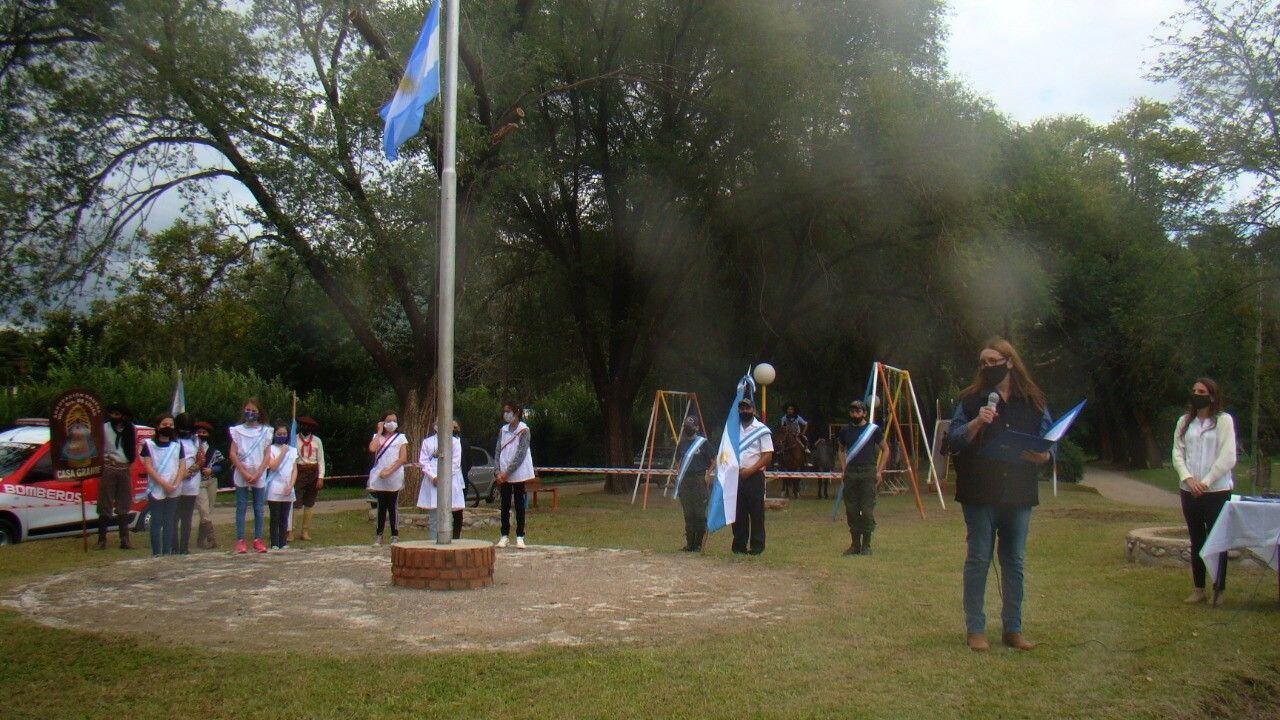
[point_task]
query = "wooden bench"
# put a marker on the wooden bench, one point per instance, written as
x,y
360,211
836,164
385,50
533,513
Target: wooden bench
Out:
x,y
534,486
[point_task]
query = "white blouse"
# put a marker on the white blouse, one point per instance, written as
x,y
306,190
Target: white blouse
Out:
x,y
1206,451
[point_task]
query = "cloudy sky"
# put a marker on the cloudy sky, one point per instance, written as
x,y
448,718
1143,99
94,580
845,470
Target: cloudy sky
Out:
x,y
1046,57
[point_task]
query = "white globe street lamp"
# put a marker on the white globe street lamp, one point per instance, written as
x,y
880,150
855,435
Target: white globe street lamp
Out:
x,y
764,374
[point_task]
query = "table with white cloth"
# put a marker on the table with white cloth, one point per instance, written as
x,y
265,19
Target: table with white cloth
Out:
x,y
1253,525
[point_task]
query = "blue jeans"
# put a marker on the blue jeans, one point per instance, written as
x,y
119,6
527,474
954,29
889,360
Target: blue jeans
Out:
x,y
985,523
242,503
163,524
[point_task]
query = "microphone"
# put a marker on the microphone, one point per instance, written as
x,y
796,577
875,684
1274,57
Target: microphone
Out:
x,y
993,400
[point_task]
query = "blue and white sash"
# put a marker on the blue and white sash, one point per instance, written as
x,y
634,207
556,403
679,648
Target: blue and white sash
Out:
x,y
684,464
753,436
860,443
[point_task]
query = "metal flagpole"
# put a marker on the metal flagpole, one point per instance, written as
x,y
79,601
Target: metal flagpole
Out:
x,y
448,227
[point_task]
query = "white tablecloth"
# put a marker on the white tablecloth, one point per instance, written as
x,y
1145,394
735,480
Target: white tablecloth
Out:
x,y
1244,524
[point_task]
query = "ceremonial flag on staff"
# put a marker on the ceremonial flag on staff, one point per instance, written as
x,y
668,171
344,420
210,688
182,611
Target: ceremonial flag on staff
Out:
x,y
420,84
179,402
722,509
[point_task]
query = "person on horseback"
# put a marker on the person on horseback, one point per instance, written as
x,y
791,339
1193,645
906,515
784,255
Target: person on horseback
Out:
x,y
794,446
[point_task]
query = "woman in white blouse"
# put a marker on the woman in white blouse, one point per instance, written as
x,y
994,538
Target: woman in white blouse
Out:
x,y
1204,451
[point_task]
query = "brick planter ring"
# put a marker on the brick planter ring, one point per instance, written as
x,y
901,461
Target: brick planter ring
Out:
x,y
460,565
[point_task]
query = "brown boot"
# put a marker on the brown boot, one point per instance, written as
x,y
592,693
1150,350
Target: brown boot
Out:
x,y
202,534
306,523
977,642
1017,642
210,537
124,532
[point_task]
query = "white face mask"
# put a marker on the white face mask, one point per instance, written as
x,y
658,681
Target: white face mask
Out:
x,y
509,416
390,426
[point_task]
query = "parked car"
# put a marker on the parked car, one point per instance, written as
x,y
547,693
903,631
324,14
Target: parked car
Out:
x,y
34,503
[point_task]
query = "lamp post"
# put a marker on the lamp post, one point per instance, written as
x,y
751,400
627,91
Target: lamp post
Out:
x,y
764,374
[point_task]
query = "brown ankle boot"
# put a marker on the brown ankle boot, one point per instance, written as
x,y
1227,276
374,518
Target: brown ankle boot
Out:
x,y
124,532
1017,642
306,523
210,537
977,642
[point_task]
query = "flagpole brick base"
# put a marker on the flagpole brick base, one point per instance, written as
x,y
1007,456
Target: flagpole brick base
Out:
x,y
460,565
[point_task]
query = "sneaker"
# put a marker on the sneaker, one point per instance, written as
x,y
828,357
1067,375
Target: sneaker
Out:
x,y
395,539
503,541
275,548
282,548
258,547
377,541
520,541
241,548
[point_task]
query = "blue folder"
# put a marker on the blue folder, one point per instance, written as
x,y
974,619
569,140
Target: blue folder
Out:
x,y
1009,445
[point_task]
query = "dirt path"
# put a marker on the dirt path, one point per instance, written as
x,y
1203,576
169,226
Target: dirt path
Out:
x,y
340,600
1117,486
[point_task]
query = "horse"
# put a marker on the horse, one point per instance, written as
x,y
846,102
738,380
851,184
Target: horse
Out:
x,y
824,460
791,457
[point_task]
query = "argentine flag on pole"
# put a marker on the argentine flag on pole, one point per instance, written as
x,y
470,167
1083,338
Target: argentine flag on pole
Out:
x,y
420,84
179,403
723,508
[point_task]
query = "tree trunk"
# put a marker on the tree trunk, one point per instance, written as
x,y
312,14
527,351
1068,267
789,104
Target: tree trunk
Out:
x,y
417,411
618,441
1256,411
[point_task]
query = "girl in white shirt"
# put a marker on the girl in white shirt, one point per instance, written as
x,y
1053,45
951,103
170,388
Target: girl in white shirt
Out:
x,y
249,444
1204,451
163,461
514,464
282,473
386,478
429,461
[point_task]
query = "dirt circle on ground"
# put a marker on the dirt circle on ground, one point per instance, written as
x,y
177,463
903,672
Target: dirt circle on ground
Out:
x,y
340,600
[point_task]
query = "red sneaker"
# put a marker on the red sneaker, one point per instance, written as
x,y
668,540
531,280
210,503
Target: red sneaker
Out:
x,y
258,547
240,547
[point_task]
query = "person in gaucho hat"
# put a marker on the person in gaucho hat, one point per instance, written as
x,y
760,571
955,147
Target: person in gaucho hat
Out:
x,y
310,471
210,468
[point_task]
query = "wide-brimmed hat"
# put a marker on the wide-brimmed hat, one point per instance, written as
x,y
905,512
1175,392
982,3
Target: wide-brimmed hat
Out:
x,y
306,421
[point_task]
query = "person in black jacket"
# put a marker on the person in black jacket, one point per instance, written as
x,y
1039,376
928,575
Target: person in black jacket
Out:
x,y
115,487
997,496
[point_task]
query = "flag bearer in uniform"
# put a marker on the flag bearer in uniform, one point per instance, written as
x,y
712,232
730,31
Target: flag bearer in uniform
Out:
x,y
755,452
310,471
859,442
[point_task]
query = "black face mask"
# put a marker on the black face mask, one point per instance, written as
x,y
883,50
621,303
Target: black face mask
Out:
x,y
164,434
746,417
992,376
1200,402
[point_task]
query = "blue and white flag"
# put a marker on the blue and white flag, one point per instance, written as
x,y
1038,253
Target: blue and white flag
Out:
x,y
179,402
420,84
723,508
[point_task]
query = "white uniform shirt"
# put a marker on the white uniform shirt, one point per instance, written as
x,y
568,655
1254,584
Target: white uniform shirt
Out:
x,y
508,444
749,453
278,489
165,461
1206,452
429,460
250,442
387,454
190,449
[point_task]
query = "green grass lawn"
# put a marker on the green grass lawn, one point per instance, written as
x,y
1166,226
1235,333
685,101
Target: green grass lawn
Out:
x,y
885,638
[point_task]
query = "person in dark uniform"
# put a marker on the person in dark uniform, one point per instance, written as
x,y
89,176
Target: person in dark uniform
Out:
x,y
695,457
862,474
997,495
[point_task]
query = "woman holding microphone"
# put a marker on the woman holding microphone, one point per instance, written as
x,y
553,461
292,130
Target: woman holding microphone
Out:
x,y
997,495
1204,452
